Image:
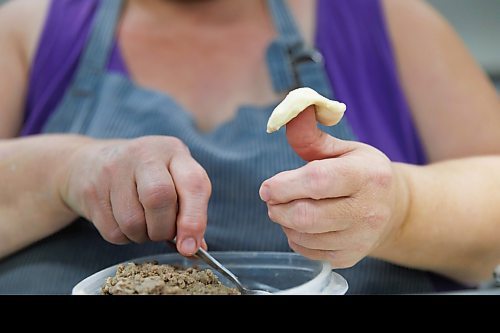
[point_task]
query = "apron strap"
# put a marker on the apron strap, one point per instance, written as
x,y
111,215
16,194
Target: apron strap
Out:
x,y
292,64
77,108
285,24
98,49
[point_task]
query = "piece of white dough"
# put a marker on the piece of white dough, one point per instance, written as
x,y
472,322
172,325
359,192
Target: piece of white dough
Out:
x,y
328,112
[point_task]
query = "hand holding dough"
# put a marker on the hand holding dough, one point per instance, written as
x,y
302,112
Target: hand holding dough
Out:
x,y
328,112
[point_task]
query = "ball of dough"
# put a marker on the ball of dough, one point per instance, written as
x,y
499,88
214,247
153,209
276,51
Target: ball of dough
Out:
x,y
328,112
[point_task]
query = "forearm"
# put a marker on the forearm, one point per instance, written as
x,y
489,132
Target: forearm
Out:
x,y
31,174
452,221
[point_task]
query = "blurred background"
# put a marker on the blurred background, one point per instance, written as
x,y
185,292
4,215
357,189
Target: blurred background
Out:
x,y
478,22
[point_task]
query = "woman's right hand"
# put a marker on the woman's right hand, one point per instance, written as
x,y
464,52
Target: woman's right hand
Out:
x,y
137,190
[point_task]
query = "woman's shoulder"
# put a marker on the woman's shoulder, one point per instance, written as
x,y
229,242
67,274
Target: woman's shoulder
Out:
x,y
362,16
357,23
341,10
23,21
61,35
29,22
66,22
409,15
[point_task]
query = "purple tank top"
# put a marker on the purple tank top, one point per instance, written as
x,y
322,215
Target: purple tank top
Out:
x,y
351,35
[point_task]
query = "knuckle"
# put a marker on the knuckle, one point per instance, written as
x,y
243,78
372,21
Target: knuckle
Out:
x,y
114,236
130,228
141,148
144,145
381,176
300,238
316,175
158,196
340,264
149,144
365,247
112,151
199,183
375,217
131,221
194,226
271,213
132,224
345,171
341,261
294,246
292,235
156,236
361,243
303,216
91,200
137,147
90,191
171,233
176,144
110,167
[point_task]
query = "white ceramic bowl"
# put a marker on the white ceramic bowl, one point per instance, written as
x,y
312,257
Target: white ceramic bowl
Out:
x,y
278,272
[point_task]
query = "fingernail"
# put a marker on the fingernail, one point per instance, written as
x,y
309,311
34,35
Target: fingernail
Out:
x,y
188,246
265,195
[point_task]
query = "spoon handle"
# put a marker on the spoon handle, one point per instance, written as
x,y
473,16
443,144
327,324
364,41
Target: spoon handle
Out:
x,y
214,263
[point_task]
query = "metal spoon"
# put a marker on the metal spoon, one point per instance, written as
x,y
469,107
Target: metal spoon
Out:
x,y
214,263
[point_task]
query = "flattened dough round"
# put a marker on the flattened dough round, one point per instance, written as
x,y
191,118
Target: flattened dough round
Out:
x,y
328,112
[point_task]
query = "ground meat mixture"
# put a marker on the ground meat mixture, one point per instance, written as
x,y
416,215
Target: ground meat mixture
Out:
x,y
155,279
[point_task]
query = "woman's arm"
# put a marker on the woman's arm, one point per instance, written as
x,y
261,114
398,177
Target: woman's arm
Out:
x,y
31,206
455,107
454,217
452,221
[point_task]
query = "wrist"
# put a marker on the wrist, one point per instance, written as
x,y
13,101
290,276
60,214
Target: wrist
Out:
x,y
400,217
75,151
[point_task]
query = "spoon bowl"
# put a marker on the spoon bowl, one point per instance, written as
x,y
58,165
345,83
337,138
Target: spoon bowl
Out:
x,y
215,264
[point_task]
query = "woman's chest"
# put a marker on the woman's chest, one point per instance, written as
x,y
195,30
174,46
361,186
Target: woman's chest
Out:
x,y
210,76
209,69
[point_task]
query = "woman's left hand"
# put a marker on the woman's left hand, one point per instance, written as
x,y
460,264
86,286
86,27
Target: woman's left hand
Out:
x,y
341,206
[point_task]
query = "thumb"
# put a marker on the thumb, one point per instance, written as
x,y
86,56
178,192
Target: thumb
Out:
x,y
311,143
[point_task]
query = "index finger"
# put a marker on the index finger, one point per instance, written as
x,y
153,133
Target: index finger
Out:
x,y
329,178
193,189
